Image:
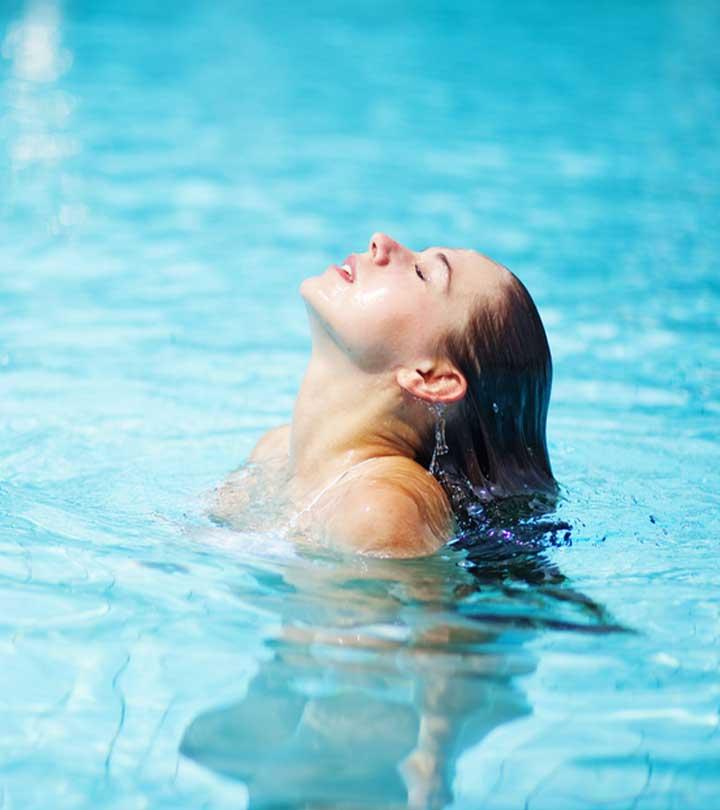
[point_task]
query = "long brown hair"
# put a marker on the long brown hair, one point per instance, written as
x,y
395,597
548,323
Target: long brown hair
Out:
x,y
495,436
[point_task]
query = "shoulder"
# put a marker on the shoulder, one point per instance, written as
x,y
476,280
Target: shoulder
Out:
x,y
392,508
273,444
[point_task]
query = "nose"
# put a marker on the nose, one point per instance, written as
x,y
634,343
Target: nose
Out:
x,y
382,248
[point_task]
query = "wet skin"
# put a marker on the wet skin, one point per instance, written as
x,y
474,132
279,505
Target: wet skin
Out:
x,y
347,462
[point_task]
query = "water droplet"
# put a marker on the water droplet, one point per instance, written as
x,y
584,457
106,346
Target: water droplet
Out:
x,y
441,447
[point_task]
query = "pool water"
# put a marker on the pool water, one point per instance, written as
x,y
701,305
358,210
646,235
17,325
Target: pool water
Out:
x,y
168,175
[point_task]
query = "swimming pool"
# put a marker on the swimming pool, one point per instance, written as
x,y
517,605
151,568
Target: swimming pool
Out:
x,y
167,178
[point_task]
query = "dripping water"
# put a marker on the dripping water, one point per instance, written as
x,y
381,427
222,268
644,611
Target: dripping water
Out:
x,y
520,522
441,447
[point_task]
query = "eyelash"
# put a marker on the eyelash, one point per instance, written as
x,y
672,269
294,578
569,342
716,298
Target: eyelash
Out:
x,y
419,272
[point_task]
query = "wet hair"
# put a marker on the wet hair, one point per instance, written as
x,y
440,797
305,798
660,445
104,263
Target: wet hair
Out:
x,y
495,436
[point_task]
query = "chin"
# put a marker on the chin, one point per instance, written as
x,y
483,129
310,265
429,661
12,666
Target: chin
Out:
x,y
324,294
316,300
305,288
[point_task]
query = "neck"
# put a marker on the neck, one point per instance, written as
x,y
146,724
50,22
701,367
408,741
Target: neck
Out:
x,y
344,416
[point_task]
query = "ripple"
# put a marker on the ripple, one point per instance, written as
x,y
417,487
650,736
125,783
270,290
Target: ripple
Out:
x,y
168,179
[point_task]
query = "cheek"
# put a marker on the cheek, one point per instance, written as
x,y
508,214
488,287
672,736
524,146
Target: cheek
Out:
x,y
381,325
393,326
384,310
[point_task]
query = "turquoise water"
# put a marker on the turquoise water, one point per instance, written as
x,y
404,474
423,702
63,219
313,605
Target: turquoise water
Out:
x,y
169,172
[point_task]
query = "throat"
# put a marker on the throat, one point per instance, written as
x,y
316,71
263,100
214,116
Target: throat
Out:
x,y
343,417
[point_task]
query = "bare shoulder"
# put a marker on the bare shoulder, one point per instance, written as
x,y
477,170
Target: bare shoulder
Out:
x,y
274,444
393,508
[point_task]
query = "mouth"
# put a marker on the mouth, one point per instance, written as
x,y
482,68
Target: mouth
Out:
x,y
347,269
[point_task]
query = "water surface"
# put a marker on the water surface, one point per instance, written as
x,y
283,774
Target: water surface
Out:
x,y
168,175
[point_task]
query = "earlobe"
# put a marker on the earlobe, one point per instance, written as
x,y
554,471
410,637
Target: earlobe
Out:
x,y
441,384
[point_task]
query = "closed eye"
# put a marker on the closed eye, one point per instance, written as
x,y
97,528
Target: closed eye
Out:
x,y
419,272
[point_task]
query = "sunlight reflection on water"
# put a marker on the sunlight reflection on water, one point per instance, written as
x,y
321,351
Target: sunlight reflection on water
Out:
x,y
168,175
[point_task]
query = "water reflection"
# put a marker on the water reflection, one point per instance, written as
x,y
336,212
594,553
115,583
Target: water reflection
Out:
x,y
37,122
382,675
33,45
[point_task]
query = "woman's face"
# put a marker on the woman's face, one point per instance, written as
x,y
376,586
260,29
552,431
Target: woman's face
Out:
x,y
390,306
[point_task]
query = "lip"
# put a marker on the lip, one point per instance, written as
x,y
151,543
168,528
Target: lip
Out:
x,y
350,262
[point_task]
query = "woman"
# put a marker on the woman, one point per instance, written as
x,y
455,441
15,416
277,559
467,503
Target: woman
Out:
x,y
426,394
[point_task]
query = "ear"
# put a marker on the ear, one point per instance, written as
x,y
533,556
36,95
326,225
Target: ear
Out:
x,y
433,381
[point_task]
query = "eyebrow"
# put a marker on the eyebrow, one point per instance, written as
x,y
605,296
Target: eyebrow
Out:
x,y
449,268
444,258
